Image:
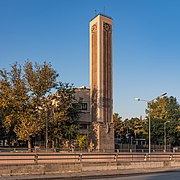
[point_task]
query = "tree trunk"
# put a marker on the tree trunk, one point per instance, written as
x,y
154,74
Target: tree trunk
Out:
x,y
53,144
3,142
29,145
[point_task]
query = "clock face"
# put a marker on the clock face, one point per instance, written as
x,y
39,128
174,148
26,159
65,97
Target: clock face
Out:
x,y
107,27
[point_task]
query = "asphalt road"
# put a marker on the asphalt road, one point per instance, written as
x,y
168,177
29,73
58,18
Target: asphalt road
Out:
x,y
154,176
151,174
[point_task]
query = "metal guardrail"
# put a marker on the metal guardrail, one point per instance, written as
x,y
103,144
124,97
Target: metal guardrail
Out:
x,y
40,149
38,158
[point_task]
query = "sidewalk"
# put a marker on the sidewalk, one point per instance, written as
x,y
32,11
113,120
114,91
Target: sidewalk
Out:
x,y
90,174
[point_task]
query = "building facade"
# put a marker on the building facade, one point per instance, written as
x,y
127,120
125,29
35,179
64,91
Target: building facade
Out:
x,y
82,95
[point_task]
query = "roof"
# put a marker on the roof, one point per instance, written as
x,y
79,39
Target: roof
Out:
x,y
100,14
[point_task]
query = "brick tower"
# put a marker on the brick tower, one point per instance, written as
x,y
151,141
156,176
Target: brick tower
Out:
x,y
101,81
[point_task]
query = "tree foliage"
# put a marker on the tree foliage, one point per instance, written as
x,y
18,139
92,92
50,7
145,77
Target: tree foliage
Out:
x,y
81,141
165,108
62,122
27,102
129,129
118,124
165,115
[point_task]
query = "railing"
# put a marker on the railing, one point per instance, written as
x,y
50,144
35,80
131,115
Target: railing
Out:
x,y
40,149
38,158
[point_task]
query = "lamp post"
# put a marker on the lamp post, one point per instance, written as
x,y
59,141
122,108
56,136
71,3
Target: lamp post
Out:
x,y
46,131
149,116
165,135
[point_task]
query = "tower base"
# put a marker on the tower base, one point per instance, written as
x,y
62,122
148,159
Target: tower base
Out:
x,y
103,136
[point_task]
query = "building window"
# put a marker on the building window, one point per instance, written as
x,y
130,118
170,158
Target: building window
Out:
x,y
83,126
83,106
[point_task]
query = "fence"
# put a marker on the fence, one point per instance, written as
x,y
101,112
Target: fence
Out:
x,y
39,158
124,148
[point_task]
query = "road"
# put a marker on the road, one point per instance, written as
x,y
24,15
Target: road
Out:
x,y
150,176
154,176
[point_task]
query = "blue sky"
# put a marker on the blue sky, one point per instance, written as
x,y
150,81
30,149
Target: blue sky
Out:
x,y
146,43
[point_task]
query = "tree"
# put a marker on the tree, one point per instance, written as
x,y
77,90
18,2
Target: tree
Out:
x,y
81,141
117,120
40,81
2,132
13,99
160,111
157,131
26,101
164,108
128,129
118,127
136,127
133,129
62,122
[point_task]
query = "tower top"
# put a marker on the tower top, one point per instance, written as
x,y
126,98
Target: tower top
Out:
x,y
100,14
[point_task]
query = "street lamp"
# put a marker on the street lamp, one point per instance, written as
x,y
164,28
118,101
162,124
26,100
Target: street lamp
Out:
x,y
46,132
149,117
165,135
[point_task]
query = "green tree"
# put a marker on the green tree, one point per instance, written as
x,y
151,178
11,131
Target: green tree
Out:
x,y
136,127
118,124
40,82
81,141
13,99
160,111
25,99
164,108
129,129
118,128
63,123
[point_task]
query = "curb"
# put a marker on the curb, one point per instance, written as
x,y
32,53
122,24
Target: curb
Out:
x,y
85,175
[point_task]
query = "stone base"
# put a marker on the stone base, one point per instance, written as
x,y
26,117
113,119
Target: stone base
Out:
x,y
104,134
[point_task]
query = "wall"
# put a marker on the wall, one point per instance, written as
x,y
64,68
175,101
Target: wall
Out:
x,y
59,168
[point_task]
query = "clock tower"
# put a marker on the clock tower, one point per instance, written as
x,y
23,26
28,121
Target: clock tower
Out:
x,y
101,92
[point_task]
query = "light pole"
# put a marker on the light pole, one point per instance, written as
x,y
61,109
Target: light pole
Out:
x,y
46,131
165,135
149,116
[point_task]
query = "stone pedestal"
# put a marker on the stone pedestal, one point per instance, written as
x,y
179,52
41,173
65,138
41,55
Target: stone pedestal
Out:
x,y
104,137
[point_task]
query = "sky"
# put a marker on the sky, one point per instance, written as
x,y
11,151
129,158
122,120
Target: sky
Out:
x,y
146,44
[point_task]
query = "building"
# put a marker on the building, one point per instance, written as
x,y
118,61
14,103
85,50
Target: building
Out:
x,y
82,95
